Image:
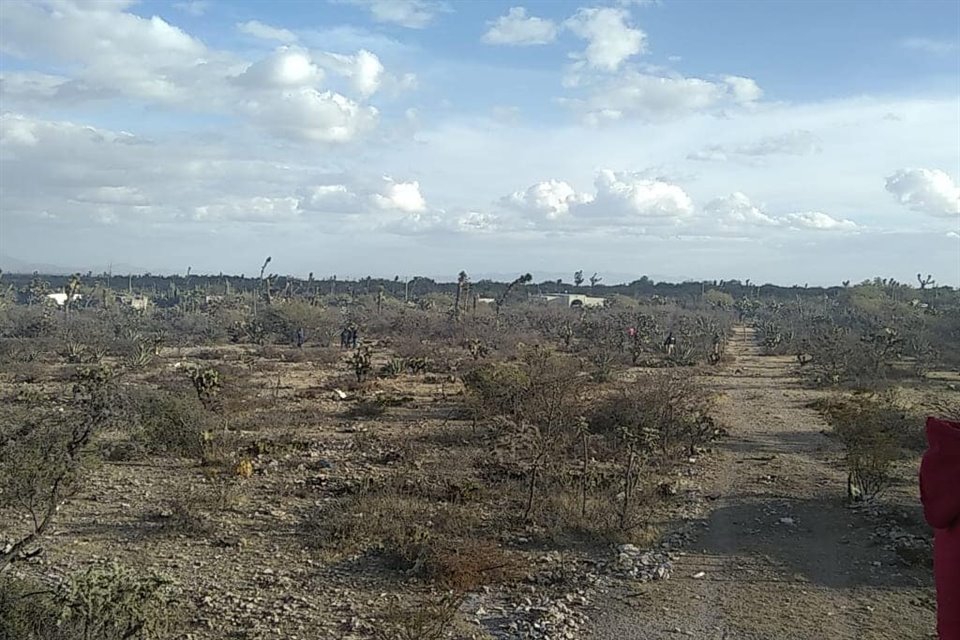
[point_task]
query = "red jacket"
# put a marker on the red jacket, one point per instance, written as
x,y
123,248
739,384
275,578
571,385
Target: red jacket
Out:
x,y
940,493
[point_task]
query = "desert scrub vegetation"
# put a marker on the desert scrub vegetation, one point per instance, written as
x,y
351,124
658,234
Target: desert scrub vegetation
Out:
x,y
867,336
172,424
108,602
44,452
876,430
417,531
477,428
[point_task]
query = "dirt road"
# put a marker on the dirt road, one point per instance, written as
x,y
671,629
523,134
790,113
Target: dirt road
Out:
x,y
781,554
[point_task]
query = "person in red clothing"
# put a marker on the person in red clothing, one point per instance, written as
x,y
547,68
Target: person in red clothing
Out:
x,y
940,494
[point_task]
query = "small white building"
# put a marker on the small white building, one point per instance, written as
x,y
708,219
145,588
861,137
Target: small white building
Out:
x,y
571,299
137,302
61,298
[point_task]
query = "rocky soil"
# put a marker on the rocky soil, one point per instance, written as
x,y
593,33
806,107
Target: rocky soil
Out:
x,y
758,541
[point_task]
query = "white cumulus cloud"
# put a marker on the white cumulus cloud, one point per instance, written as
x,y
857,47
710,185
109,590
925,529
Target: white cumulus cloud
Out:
x,y
400,196
610,39
518,28
551,199
743,90
926,190
620,198
627,195
286,67
306,114
364,70
736,209
114,51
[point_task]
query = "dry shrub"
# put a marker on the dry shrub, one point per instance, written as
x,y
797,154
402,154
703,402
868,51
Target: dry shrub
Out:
x,y
466,564
183,517
417,536
945,408
324,357
192,513
172,424
569,517
665,413
367,408
428,619
875,431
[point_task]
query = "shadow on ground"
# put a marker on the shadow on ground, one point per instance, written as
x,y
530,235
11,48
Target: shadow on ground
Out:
x,y
822,541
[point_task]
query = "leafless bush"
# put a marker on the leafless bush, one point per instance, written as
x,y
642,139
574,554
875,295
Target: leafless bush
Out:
x,y
44,452
427,619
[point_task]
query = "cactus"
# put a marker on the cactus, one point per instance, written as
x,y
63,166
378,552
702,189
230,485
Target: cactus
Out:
x,y
418,365
478,349
524,279
158,339
206,382
361,363
265,281
463,282
142,355
394,367
72,290
243,469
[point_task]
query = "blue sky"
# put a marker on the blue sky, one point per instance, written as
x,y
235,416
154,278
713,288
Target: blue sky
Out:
x,y
783,141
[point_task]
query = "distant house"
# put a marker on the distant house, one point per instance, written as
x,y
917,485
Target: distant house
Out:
x,y
570,299
137,302
61,298
486,300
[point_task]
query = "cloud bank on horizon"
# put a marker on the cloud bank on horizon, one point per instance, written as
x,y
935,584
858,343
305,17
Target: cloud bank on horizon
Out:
x,y
420,136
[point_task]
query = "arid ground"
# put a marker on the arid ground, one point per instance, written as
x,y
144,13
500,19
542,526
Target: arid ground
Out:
x,y
755,540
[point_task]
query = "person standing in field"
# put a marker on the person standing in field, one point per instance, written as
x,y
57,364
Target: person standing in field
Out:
x,y
940,494
670,344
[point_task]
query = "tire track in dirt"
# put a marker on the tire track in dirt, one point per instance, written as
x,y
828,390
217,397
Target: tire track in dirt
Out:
x,y
781,554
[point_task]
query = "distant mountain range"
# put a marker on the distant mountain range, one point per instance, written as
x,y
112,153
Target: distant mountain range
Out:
x,y
15,265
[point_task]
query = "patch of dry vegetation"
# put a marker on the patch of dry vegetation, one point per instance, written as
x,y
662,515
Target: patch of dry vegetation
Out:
x,y
448,451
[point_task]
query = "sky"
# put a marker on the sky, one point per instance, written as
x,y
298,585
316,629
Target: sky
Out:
x,y
782,141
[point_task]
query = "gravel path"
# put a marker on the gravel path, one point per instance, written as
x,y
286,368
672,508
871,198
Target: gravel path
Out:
x,y
780,556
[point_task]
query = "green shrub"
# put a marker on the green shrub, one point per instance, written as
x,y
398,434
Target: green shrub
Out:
x,y
497,388
102,603
173,424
